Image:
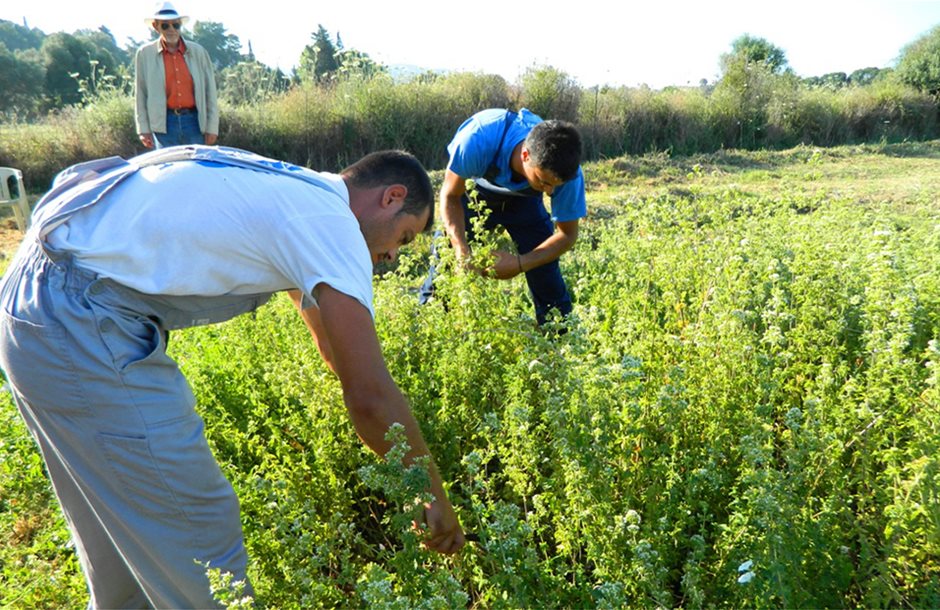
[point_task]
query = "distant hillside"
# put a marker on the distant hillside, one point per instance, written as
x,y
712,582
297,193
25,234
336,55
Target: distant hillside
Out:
x,y
407,72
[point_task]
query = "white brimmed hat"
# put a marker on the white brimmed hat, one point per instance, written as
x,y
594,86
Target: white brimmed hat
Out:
x,y
165,11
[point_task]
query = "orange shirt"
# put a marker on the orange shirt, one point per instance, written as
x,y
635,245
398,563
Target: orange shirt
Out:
x,y
179,82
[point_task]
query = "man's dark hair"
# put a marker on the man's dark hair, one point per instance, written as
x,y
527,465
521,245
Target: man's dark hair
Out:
x,y
555,146
387,167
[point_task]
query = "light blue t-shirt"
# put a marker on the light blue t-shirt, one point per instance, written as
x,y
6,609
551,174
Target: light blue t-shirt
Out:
x,y
474,147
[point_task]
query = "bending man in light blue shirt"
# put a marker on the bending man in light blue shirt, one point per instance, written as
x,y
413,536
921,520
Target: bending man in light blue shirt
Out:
x,y
513,158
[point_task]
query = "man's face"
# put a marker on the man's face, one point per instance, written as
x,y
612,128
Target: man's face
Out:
x,y
169,30
540,179
387,231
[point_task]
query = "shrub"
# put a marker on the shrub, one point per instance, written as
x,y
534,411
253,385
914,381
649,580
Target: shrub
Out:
x,y
550,93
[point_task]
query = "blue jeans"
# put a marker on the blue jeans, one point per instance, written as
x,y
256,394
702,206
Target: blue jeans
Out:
x,y
180,129
528,224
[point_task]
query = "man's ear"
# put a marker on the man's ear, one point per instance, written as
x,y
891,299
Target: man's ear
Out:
x,y
395,193
524,153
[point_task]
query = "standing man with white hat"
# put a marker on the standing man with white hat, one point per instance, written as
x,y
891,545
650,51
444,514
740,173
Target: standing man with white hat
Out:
x,y
177,101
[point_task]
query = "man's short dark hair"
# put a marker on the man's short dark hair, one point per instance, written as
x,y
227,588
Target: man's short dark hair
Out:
x,y
555,146
387,167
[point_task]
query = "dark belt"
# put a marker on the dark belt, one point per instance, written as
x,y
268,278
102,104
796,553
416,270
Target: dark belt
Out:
x,y
181,110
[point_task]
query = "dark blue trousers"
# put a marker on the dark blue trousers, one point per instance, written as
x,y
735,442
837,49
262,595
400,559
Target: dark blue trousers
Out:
x,y
528,224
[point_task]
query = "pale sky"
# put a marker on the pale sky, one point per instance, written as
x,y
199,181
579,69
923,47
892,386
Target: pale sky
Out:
x,y
616,42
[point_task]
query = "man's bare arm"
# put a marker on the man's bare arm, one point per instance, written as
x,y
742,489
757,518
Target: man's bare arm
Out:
x,y
374,401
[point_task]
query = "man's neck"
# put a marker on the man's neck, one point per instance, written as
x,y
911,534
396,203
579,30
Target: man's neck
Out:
x,y
515,161
171,48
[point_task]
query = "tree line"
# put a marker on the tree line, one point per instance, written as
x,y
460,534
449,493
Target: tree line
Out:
x,y
40,72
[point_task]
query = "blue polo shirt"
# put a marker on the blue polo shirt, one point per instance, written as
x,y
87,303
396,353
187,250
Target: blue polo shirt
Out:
x,y
474,148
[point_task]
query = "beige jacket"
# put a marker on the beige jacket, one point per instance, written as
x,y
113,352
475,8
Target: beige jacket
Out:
x,y
150,88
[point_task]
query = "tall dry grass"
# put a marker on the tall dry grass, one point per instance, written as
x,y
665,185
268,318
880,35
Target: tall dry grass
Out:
x,y
327,126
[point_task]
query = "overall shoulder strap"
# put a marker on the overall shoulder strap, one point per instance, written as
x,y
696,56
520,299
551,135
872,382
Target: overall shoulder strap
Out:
x,y
493,170
85,184
487,180
226,155
77,187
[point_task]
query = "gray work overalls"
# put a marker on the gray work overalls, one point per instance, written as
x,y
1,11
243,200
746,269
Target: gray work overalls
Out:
x,y
85,358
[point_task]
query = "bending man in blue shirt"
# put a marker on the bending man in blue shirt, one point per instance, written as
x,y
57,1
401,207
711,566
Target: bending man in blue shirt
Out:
x,y
513,158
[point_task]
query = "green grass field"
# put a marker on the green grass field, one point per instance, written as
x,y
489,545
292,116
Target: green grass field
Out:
x,y
744,412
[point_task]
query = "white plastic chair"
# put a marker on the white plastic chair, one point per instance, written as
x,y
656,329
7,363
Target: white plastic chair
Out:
x,y
17,201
